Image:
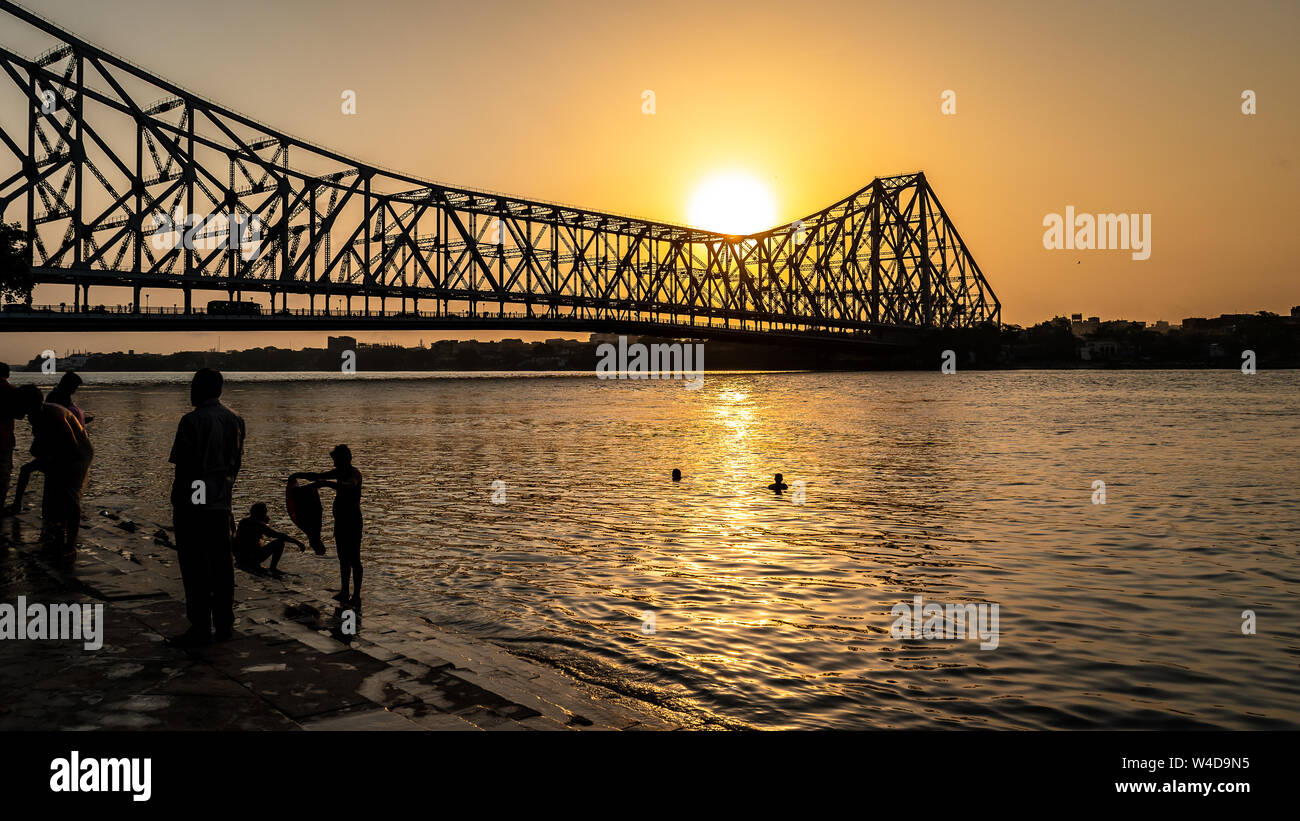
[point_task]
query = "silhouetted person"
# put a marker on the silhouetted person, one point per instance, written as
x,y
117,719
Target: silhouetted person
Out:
x,y
778,485
62,451
249,550
207,453
62,395
346,482
8,413
677,475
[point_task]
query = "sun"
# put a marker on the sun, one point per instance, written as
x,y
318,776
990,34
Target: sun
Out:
x,y
733,203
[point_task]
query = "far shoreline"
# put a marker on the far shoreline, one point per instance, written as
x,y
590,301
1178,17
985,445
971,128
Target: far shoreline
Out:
x,y
380,373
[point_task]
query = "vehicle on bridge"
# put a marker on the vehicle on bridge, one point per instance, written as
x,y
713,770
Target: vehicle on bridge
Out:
x,y
223,307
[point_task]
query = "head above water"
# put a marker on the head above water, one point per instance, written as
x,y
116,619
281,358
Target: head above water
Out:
x,y
779,477
258,512
677,475
205,385
4,370
342,455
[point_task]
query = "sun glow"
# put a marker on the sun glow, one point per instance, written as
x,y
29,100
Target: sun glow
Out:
x,y
733,203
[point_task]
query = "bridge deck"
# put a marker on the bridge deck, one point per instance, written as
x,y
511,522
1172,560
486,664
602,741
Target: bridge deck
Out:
x,y
120,318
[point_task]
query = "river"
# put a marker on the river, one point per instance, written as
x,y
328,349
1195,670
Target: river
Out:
x,y
721,600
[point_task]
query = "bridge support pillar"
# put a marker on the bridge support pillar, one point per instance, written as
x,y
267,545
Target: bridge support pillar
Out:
x,y
187,301
135,300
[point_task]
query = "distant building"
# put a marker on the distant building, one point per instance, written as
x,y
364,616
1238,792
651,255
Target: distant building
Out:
x,y
336,344
1084,327
1223,324
1098,349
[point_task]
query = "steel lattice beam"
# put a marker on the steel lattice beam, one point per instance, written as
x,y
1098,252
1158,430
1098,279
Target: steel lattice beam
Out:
x,y
89,167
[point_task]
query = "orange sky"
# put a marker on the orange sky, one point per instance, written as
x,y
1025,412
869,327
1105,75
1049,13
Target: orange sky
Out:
x,y
1106,106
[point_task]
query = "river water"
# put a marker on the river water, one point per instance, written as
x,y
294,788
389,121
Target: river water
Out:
x,y
775,611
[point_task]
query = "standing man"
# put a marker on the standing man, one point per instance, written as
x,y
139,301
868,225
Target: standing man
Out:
x,y
8,413
207,453
346,482
62,451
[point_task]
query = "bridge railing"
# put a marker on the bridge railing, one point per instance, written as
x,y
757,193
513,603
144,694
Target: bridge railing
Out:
x,y
145,311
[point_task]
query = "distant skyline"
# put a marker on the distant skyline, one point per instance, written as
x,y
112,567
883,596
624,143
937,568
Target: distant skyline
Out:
x,y
1104,108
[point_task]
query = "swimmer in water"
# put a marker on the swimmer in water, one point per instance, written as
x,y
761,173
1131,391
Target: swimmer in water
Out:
x,y
778,485
677,475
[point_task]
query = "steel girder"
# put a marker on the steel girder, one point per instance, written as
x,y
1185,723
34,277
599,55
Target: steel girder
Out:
x,y
97,151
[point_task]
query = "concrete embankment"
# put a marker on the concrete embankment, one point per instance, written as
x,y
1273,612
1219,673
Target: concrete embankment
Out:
x,y
297,659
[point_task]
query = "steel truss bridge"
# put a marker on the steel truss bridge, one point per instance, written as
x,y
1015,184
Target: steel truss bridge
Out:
x,y
98,153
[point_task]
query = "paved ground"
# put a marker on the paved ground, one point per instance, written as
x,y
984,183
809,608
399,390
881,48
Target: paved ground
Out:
x,y
288,667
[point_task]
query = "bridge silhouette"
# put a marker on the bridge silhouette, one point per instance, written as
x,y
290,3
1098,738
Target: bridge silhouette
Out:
x,y
124,179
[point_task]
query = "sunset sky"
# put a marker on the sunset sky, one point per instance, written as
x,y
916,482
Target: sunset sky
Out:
x,y
1105,106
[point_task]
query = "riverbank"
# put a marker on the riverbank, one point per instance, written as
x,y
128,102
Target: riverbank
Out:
x,y
294,662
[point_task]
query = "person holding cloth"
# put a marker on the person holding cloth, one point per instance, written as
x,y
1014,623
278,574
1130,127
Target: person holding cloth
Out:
x,y
345,481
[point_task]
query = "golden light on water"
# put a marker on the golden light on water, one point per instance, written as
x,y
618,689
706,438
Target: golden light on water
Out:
x,y
733,203
733,413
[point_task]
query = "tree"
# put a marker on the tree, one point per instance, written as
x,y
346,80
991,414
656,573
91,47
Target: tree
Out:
x,y
16,280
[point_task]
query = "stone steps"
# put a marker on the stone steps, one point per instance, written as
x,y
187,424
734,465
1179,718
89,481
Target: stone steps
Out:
x,y
289,654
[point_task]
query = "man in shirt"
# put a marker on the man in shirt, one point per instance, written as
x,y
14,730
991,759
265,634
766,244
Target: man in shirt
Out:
x,y
208,452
